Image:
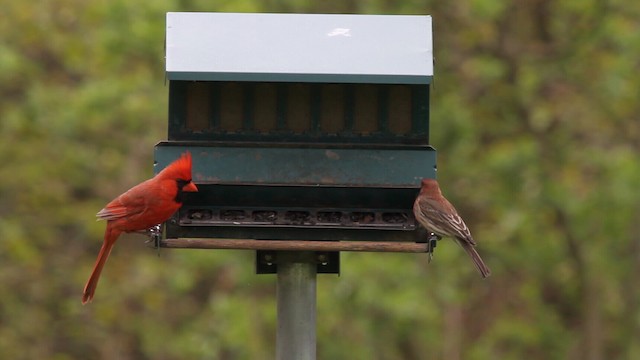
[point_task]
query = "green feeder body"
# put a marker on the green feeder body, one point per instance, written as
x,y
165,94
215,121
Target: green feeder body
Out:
x,y
301,126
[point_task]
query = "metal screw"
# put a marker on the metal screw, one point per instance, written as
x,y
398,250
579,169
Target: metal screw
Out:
x,y
268,258
323,259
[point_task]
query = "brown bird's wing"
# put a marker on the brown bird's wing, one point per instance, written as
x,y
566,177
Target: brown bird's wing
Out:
x,y
445,219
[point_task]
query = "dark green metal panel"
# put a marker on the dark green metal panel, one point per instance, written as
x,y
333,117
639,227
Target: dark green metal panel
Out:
x,y
311,78
369,167
384,113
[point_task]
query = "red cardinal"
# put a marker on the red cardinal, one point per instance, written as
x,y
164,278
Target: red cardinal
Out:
x,y
437,215
143,206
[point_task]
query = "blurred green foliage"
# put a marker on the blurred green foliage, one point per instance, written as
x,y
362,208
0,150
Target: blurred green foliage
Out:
x,y
535,116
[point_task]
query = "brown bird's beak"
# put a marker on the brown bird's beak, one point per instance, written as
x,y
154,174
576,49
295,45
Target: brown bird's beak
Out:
x,y
190,187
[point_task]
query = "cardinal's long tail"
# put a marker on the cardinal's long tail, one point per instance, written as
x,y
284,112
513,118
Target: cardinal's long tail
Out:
x,y
110,237
477,260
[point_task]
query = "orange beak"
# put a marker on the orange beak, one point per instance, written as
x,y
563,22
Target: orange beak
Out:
x,y
190,187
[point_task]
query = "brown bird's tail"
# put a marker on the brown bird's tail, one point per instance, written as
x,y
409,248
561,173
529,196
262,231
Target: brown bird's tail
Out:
x,y
477,260
110,237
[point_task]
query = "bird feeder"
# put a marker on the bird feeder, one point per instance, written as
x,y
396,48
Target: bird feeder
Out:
x,y
303,128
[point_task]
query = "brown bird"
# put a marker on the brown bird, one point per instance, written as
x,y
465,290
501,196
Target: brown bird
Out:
x,y
143,206
437,215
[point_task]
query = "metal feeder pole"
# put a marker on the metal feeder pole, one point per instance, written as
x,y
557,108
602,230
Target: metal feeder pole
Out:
x,y
296,296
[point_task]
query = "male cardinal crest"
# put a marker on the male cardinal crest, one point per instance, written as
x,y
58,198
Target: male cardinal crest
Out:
x,y
143,206
436,214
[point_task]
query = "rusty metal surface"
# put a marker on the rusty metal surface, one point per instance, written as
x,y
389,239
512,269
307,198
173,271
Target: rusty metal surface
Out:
x,y
295,245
